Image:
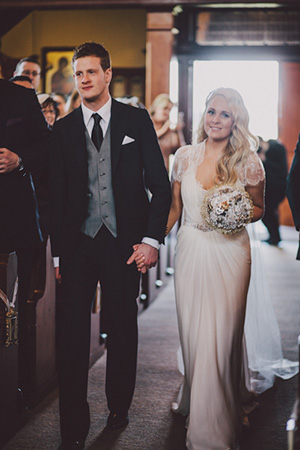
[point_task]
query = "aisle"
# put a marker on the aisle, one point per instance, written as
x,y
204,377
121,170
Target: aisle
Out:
x,y
152,424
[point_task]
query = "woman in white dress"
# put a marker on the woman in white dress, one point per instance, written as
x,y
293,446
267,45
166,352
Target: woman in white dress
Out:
x,y
212,272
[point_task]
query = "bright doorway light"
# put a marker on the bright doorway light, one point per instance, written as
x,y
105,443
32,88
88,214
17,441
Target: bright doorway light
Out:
x,y
173,89
256,81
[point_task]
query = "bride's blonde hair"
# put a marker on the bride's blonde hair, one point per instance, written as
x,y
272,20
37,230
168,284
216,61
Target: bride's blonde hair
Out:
x,y
241,140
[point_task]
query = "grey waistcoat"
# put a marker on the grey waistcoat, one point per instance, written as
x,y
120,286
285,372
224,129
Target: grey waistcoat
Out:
x,y
101,205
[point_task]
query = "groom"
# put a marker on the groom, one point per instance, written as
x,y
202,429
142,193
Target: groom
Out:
x,y
105,156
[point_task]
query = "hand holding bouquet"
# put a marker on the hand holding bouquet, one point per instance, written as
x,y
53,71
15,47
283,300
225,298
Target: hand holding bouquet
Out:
x,y
227,208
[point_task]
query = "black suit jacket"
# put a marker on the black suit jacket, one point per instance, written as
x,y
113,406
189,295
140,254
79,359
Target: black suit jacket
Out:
x,y
276,171
136,168
293,189
24,131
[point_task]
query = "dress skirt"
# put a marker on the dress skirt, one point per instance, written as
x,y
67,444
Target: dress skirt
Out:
x,y
212,273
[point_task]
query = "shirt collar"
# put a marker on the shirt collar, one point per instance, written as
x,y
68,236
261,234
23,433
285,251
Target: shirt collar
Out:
x,y
104,112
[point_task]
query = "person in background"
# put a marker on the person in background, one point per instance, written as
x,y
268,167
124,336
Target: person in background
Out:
x,y
131,100
24,146
61,104
73,102
273,156
49,108
30,68
169,138
293,190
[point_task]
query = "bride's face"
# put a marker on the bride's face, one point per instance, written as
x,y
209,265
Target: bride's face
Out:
x,y
218,119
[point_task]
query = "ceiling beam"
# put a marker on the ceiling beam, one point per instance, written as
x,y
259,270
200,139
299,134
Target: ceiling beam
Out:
x,y
42,4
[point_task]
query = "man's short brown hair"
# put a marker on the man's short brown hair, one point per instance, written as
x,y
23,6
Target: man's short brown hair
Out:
x,y
92,49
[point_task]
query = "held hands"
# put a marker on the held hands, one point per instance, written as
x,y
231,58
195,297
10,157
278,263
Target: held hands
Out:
x,y
57,275
145,257
9,161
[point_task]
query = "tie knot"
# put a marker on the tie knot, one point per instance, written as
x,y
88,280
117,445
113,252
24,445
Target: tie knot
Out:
x,y
96,118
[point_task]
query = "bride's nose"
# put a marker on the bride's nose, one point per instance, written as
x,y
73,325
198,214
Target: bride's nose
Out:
x,y
215,119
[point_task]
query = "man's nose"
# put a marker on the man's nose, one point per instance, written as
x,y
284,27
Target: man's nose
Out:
x,y
85,78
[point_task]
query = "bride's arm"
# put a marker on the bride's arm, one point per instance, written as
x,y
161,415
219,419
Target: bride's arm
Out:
x,y
257,194
176,206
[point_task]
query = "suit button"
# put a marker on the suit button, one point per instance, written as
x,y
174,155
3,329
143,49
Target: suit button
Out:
x,y
101,159
103,188
89,194
101,174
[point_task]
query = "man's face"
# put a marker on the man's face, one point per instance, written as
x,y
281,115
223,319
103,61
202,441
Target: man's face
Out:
x,y
31,70
91,81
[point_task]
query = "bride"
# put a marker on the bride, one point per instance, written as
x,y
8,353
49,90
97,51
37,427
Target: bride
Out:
x,y
212,273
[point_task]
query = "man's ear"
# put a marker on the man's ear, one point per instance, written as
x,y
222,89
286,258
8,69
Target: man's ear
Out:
x,y
108,75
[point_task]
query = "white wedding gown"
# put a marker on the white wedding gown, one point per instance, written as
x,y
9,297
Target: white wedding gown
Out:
x,y
212,273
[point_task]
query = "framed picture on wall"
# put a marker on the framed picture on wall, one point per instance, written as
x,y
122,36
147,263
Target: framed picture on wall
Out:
x,y
128,82
57,70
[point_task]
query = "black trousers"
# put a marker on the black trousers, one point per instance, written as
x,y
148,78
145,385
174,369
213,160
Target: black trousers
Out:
x,y
96,259
271,217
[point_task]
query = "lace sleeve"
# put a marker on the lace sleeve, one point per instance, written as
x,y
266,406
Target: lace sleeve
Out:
x,y
181,163
253,172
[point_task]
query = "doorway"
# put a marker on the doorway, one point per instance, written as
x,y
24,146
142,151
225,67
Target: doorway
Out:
x,y
256,81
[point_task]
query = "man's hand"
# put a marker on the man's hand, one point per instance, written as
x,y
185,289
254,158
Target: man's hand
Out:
x,y
145,257
9,161
57,274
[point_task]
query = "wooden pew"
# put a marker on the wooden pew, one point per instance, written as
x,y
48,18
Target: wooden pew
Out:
x,y
12,416
293,424
158,276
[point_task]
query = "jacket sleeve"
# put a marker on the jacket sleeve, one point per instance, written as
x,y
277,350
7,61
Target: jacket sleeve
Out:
x,y
35,151
156,180
57,192
293,186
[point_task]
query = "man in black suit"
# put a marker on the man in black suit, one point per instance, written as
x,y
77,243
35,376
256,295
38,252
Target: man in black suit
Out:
x,y
273,155
105,156
24,145
293,189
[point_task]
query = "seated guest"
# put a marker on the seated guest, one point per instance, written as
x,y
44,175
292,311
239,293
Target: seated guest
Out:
x,y
49,108
73,101
169,138
30,68
61,104
22,80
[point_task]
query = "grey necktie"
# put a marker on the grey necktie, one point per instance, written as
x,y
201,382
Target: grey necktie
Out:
x,y
97,134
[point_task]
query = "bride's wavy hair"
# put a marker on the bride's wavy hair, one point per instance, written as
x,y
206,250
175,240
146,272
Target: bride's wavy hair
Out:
x,y
241,140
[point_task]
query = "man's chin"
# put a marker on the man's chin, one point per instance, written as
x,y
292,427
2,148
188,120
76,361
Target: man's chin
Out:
x,y
90,99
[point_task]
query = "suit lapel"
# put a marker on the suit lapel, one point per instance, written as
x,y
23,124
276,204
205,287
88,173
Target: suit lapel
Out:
x,y
118,127
78,142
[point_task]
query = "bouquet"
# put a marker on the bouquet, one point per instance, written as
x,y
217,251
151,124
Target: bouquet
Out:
x,y
227,208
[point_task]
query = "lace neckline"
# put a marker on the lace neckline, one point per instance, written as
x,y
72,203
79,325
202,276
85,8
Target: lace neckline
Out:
x,y
200,161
